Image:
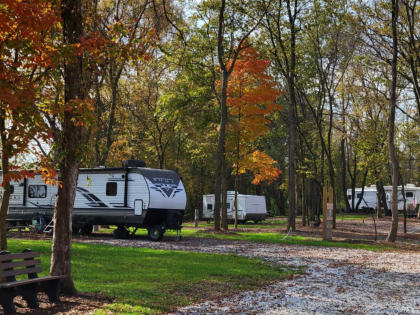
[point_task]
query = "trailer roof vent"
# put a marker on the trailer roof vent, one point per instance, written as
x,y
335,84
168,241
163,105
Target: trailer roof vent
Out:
x,y
133,163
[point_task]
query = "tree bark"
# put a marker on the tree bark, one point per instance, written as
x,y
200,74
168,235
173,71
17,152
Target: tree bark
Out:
x,y
382,200
71,141
343,174
392,236
6,188
220,156
359,200
291,122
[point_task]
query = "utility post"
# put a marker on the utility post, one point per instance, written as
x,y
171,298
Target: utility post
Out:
x,y
327,214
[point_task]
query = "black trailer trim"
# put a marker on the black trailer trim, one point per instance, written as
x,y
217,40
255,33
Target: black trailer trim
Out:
x,y
126,188
25,182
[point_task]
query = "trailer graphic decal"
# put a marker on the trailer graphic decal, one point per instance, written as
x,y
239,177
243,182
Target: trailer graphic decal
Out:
x,y
164,182
93,200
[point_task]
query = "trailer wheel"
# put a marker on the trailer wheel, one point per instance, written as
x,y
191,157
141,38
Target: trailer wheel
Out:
x,y
155,233
86,229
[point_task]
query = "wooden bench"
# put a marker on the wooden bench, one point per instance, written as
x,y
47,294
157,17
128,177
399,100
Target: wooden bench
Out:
x,y
12,265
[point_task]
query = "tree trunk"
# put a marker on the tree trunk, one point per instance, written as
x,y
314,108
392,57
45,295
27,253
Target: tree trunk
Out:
x,y
6,188
292,148
382,200
404,206
304,209
71,141
359,200
343,174
220,155
392,236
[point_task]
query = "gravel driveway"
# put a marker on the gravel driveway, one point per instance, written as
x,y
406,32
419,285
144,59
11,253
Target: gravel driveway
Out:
x,y
337,280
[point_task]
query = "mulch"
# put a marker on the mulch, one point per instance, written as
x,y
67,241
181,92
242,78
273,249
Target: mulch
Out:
x,y
83,303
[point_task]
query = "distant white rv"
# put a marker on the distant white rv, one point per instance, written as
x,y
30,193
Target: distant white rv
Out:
x,y
369,198
412,197
250,207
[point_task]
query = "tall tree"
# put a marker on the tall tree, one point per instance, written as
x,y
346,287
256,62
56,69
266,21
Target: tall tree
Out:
x,y
391,139
71,142
252,97
26,55
232,33
282,23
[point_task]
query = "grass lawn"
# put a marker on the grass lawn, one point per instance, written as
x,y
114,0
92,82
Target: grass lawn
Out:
x,y
267,237
152,281
279,238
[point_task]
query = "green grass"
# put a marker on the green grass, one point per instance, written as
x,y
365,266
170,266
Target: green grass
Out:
x,y
270,237
278,238
151,281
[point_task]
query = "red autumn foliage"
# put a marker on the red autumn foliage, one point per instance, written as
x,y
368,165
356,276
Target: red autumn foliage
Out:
x,y
252,97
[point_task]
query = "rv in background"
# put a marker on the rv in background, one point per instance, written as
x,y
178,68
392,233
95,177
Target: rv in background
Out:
x,y
369,198
250,207
130,196
412,198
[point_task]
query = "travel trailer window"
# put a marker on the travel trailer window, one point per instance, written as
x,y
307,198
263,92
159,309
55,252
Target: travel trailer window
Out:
x,y
359,196
349,197
111,189
209,206
12,189
37,191
409,194
228,205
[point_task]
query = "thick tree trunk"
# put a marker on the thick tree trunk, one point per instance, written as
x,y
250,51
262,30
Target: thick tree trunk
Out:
x,y
71,141
392,236
220,156
6,188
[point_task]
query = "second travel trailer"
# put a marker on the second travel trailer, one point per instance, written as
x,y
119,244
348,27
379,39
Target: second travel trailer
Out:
x,y
130,196
250,207
369,198
412,198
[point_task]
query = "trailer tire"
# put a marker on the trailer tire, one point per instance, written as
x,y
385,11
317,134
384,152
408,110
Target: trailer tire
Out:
x,y
86,229
155,233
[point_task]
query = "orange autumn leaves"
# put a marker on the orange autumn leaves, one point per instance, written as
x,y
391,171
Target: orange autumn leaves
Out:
x,y
26,52
252,97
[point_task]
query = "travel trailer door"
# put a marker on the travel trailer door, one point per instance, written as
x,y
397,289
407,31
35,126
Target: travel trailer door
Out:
x,y
138,207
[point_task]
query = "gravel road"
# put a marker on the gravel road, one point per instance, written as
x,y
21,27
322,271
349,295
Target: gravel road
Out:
x,y
337,280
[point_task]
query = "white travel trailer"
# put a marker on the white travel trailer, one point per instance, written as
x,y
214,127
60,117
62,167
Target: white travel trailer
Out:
x,y
368,199
130,196
250,207
412,198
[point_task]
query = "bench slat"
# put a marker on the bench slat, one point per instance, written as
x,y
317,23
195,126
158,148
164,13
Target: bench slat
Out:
x,y
29,281
24,271
19,256
22,263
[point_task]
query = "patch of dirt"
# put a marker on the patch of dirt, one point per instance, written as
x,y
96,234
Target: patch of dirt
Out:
x,y
223,232
81,304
